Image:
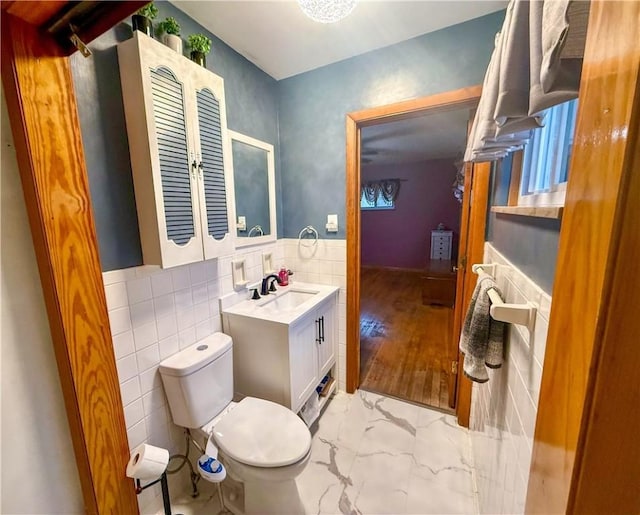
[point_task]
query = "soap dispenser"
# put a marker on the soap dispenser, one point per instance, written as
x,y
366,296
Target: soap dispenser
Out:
x,y
283,276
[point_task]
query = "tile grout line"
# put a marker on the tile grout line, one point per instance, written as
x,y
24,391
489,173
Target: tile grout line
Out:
x,y
474,475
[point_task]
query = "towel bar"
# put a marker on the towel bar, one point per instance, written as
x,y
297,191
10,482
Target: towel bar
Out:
x,y
521,314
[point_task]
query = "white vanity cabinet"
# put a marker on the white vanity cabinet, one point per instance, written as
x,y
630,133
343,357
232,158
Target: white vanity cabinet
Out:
x,y
284,362
176,124
312,350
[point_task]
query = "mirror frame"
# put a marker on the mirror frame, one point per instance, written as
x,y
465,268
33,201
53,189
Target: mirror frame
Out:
x,y
271,184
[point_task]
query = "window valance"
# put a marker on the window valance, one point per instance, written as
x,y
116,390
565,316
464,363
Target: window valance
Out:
x,y
535,65
388,188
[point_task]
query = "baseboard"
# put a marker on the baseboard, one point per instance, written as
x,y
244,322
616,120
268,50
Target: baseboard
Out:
x,y
392,269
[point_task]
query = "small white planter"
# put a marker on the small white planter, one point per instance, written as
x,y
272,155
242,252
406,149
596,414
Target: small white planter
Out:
x,y
173,42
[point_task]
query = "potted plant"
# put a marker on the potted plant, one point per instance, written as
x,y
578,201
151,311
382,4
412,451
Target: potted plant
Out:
x,y
141,20
170,30
200,46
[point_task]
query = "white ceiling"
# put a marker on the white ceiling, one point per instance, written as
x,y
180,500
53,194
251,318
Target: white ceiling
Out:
x,y
278,38
433,136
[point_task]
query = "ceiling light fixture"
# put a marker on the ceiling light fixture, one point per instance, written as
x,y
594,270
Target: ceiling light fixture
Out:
x,y
327,11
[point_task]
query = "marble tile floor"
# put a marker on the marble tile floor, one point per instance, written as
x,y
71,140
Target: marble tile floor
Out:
x,y
376,455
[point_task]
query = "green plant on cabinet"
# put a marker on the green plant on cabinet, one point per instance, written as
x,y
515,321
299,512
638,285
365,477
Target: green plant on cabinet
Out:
x,y
170,26
199,43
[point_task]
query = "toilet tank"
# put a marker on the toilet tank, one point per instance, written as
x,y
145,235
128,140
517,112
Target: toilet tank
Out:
x,y
198,380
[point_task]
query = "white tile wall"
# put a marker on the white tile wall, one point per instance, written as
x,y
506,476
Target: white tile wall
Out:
x,y
503,410
155,313
323,263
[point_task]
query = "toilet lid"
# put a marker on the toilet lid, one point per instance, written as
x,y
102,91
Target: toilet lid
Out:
x,y
262,434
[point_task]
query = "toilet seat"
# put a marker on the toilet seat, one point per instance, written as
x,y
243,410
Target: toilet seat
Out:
x,y
263,434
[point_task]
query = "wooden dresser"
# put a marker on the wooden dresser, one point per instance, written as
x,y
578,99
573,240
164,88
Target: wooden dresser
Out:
x,y
439,283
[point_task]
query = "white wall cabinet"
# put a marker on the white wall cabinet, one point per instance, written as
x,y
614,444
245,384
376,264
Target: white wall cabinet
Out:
x,y
281,362
180,157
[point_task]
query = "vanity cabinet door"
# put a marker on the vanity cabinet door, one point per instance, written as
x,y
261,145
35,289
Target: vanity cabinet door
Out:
x,y
213,156
328,337
155,91
303,360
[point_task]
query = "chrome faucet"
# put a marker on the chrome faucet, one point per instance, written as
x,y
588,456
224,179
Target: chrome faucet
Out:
x,y
265,289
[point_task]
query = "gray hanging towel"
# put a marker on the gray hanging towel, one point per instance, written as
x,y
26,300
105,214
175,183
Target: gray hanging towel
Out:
x,y
482,337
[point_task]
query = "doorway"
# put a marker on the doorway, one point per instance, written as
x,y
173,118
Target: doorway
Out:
x,y
410,224
442,321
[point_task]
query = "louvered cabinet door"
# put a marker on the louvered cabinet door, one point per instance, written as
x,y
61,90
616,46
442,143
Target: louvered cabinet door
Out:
x,y
213,154
177,171
155,88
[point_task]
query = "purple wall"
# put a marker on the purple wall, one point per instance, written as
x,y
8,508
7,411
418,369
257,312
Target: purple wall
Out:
x,y
401,237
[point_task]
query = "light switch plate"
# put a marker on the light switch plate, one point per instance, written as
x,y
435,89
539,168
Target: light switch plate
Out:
x,y
332,223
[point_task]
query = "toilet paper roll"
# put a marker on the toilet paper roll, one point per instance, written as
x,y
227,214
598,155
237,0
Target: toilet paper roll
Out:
x,y
147,462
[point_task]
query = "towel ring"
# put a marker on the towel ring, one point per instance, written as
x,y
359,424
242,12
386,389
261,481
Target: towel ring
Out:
x,y
309,229
257,229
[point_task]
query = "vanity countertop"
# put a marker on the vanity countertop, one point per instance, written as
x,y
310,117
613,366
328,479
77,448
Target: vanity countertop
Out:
x,y
284,306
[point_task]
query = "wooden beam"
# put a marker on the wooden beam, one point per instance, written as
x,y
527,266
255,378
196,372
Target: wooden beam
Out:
x,y
608,460
44,121
455,99
89,19
589,391
34,13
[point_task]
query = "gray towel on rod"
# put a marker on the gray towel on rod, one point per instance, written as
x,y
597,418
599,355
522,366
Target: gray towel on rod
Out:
x,y
482,337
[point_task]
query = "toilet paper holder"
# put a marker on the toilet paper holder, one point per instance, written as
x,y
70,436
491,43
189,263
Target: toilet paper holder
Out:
x,y
164,485
142,456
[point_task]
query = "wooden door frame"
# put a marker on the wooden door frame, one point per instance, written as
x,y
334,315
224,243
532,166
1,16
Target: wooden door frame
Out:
x,y
476,200
355,121
586,457
41,103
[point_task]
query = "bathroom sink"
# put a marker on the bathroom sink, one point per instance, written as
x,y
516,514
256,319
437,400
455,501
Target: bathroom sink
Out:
x,y
287,300
284,306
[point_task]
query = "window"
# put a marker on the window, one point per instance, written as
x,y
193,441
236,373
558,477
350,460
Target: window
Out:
x,y
379,202
545,162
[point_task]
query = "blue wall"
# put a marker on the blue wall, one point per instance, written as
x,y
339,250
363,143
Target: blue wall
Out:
x,y
251,97
313,106
529,243
303,117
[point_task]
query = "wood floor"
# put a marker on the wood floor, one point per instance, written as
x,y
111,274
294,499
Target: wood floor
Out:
x,y
403,344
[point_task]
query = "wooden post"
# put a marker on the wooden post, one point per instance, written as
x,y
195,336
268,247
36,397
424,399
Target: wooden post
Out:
x,y
44,121
586,457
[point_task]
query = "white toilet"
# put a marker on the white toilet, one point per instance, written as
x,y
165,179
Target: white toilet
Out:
x,y
262,444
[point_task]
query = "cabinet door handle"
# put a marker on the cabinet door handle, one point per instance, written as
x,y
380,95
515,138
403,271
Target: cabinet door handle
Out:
x,y
322,329
194,165
318,340
200,165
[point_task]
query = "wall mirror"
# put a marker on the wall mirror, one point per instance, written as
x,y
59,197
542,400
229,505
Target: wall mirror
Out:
x,y
255,190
